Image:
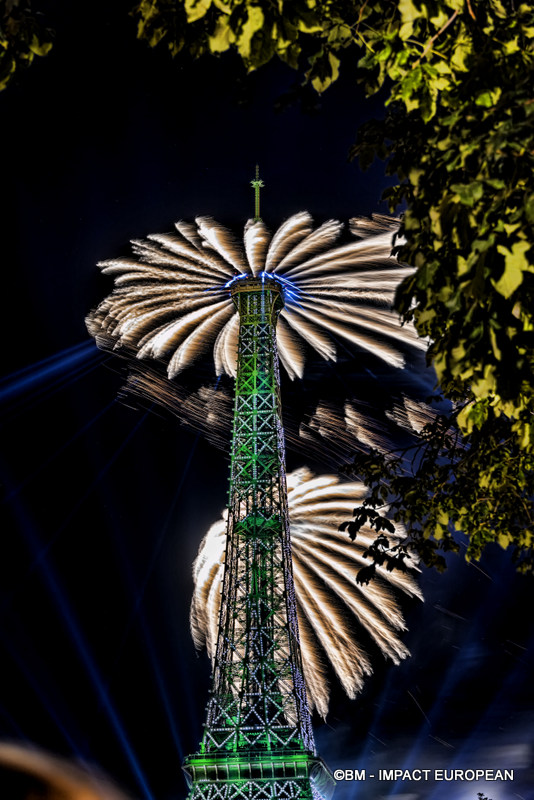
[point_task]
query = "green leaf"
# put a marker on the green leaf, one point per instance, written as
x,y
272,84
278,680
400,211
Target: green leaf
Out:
x,y
320,84
408,11
410,84
196,9
252,25
515,262
7,69
512,46
498,8
409,14
494,346
504,540
495,183
309,26
40,46
489,98
440,18
468,193
290,55
222,37
463,48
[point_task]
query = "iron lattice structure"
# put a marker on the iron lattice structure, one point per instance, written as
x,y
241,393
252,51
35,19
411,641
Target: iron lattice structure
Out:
x,y
258,741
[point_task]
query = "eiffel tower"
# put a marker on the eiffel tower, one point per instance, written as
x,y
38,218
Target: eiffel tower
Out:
x,y
258,741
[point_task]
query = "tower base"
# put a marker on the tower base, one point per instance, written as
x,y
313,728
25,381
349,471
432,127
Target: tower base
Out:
x,y
258,776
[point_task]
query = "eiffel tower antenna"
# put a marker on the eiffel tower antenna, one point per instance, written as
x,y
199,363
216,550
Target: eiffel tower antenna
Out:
x,y
257,183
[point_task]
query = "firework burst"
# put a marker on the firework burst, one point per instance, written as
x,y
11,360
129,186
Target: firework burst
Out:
x,y
333,610
172,300
171,304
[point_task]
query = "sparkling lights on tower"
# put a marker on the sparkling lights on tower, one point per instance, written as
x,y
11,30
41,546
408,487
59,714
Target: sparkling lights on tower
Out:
x,y
254,300
258,741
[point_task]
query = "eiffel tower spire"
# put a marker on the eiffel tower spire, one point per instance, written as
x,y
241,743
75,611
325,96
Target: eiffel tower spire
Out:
x,y
258,184
258,741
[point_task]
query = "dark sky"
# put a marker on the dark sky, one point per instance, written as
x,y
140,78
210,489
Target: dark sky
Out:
x,y
103,141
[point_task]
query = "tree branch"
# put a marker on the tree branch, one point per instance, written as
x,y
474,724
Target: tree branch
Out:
x,y
436,35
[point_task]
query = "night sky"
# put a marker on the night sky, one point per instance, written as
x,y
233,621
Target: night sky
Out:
x,y
105,504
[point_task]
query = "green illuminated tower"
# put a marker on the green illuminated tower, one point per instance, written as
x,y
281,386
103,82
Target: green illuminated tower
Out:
x,y
258,742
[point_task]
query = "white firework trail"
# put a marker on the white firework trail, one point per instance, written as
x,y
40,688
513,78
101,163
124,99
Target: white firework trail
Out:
x,y
413,416
172,301
345,427
172,304
331,434
332,608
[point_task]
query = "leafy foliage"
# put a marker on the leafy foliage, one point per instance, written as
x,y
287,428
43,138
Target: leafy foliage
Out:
x,y
300,32
22,37
445,485
459,136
